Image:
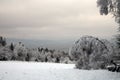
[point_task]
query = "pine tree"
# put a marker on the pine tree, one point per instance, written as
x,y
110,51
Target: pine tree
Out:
x,y
4,42
12,47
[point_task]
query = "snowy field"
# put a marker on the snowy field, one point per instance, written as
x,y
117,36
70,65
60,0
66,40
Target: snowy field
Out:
x,y
51,71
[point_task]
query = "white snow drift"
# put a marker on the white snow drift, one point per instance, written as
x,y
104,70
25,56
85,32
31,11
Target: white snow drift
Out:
x,y
51,71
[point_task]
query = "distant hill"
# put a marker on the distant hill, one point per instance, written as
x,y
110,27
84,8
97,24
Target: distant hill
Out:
x,y
52,44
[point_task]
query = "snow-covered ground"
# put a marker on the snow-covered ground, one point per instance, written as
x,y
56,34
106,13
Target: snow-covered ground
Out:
x,y
51,71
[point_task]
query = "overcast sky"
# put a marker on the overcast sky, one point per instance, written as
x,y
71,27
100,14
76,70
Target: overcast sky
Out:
x,y
54,19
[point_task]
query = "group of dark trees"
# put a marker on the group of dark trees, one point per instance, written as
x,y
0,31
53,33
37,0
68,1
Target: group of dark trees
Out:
x,y
20,52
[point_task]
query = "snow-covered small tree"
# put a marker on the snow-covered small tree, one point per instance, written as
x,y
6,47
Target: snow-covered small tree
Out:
x,y
48,57
5,53
42,56
90,53
33,55
20,52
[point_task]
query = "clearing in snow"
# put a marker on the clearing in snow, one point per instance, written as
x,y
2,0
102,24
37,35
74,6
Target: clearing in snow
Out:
x,y
12,70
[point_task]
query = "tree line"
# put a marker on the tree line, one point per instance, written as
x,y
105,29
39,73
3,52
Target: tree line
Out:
x,y
21,53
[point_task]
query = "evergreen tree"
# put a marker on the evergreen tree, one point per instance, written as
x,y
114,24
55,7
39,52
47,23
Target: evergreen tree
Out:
x,y
4,42
1,39
12,47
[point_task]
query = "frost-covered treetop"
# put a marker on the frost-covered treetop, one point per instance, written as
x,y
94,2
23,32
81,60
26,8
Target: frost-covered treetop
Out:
x,y
90,45
110,6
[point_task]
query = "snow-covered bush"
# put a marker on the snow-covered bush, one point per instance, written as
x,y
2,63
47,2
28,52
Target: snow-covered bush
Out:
x,y
42,56
5,53
47,55
32,55
91,53
20,52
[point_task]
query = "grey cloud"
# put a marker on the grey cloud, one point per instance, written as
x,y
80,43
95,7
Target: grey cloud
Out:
x,y
49,18
37,13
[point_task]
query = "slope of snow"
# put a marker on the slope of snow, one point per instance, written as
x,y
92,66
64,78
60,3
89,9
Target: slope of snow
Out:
x,y
51,71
